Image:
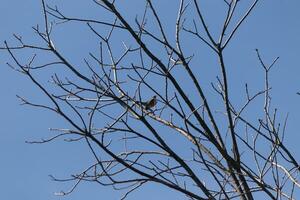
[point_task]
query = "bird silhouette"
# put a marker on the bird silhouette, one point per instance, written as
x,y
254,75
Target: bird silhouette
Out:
x,y
150,103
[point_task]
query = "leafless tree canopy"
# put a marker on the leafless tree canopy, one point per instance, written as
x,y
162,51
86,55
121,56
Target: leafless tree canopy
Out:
x,y
139,102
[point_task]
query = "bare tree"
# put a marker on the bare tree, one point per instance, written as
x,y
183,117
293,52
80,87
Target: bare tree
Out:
x,y
140,105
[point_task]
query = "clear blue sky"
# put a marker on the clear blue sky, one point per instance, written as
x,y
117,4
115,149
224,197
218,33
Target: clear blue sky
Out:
x,y
273,27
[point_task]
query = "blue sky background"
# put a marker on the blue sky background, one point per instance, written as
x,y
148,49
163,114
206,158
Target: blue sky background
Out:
x,y
273,28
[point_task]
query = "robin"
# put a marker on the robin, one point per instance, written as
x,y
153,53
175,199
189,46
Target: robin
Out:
x,y
151,103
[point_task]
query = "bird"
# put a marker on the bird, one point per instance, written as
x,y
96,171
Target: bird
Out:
x,y
150,103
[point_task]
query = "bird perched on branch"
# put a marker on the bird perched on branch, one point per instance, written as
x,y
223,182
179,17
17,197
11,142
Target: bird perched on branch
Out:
x,y
150,103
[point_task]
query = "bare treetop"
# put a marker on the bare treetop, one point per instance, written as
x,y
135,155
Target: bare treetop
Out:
x,y
141,105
